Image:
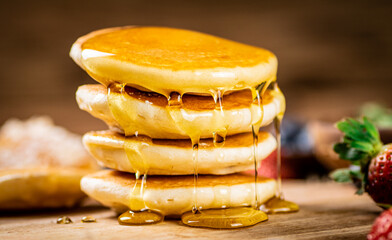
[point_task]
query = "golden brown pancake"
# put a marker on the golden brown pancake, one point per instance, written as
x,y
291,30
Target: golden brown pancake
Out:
x,y
32,188
164,60
40,165
174,157
174,195
148,114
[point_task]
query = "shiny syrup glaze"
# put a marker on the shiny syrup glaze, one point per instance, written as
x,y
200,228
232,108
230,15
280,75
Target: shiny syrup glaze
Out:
x,y
233,100
174,49
164,60
222,218
278,204
139,214
198,217
226,218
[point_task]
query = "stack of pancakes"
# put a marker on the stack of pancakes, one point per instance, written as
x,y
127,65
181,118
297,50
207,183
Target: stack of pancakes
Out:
x,y
180,106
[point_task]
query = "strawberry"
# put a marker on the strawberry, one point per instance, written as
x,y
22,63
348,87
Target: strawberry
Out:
x,y
379,184
371,164
382,227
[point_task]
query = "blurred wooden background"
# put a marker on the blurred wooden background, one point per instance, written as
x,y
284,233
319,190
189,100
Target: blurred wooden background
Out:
x,y
333,55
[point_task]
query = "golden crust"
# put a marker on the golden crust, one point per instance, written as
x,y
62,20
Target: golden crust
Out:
x,y
183,181
174,157
166,60
174,195
233,141
41,165
232,100
156,121
175,49
33,188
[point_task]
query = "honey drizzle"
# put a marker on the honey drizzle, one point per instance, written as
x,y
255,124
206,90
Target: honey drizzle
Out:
x,y
255,144
256,123
220,132
277,125
227,217
139,213
278,204
195,156
177,112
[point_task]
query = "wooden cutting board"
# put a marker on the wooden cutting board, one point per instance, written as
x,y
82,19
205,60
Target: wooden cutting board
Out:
x,y
328,211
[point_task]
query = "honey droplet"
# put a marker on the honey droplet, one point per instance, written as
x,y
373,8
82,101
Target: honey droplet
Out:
x,y
279,205
195,158
219,138
218,99
175,99
142,217
224,218
64,220
88,219
255,134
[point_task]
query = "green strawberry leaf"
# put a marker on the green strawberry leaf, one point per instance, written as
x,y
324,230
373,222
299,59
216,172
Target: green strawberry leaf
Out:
x,y
341,175
344,175
362,146
346,152
371,129
360,143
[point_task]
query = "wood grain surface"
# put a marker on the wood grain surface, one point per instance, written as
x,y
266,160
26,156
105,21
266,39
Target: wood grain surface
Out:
x,y
328,211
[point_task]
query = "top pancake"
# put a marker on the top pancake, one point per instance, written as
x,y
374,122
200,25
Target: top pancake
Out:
x,y
164,60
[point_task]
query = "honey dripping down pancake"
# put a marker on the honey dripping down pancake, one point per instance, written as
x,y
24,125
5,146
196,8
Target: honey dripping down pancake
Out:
x,y
175,155
146,112
172,196
216,218
278,204
174,63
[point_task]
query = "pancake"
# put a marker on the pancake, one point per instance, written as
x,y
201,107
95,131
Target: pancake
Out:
x,y
173,196
33,188
164,60
174,157
147,113
41,165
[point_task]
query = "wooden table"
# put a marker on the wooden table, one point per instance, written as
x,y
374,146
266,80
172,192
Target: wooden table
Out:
x,y
328,211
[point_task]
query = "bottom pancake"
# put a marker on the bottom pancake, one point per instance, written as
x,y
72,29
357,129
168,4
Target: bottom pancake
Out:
x,y
36,188
173,195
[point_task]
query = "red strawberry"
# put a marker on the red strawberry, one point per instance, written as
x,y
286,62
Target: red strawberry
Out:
x,y
380,177
382,227
371,161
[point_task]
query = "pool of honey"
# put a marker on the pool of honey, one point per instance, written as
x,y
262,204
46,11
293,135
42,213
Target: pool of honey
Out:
x,y
225,218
